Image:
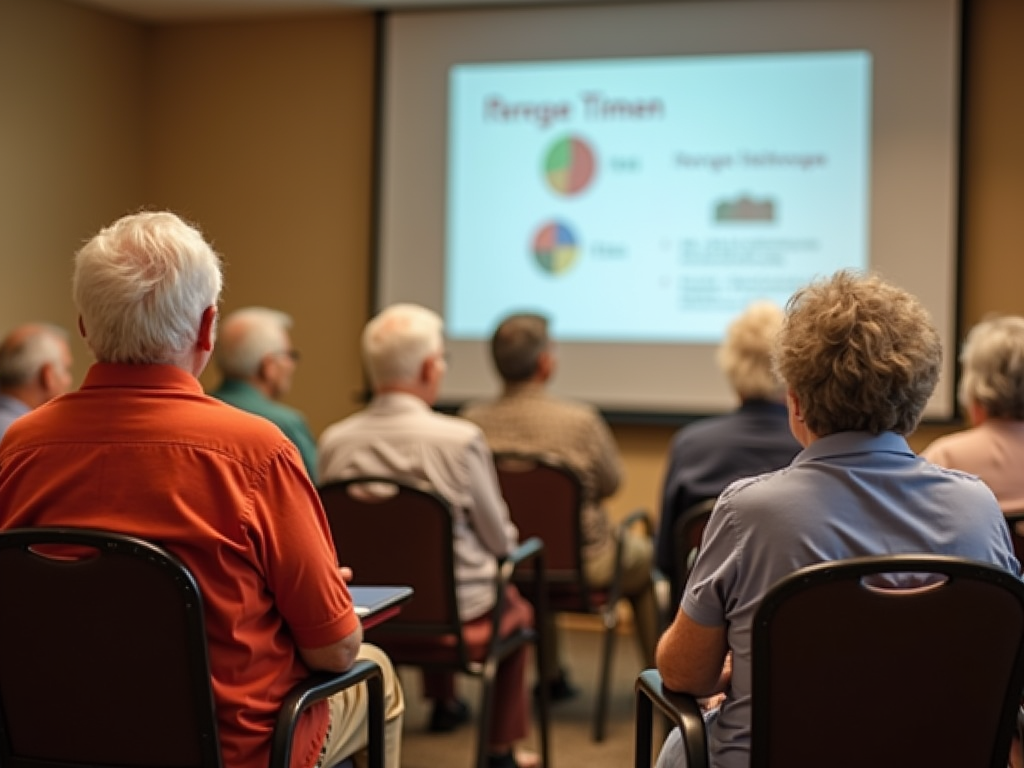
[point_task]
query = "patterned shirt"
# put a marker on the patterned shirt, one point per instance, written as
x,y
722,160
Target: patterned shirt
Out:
x,y
527,419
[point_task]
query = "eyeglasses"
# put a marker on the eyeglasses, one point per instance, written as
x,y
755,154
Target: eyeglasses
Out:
x,y
292,354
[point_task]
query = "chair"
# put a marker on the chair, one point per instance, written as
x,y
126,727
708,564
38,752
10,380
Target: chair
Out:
x,y
545,500
1015,521
687,532
393,532
848,672
103,659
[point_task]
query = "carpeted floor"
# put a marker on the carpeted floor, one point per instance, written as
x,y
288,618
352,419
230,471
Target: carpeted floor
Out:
x,y
571,721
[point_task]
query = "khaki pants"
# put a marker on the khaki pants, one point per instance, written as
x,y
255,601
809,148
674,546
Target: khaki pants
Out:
x,y
348,732
637,587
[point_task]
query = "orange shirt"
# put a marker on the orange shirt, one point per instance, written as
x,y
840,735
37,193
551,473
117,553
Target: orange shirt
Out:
x,y
141,450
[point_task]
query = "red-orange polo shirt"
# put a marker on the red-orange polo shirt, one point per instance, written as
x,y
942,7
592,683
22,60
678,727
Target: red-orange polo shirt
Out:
x,y
141,450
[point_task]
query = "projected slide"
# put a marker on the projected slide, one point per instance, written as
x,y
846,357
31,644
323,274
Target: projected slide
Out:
x,y
652,199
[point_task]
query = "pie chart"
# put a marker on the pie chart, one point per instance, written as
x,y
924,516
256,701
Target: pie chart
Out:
x,y
555,248
569,165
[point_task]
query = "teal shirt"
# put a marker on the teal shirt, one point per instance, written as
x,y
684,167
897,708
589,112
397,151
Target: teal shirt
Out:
x,y
246,397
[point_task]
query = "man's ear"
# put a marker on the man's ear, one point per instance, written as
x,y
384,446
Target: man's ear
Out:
x,y
263,370
207,329
47,374
545,365
427,370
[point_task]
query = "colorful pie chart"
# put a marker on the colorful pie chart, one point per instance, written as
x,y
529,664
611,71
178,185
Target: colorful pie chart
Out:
x,y
555,248
569,165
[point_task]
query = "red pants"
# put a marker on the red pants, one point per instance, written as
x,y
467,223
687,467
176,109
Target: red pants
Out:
x,y
510,713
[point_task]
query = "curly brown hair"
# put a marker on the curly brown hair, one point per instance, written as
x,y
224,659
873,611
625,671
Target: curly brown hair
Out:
x,y
859,353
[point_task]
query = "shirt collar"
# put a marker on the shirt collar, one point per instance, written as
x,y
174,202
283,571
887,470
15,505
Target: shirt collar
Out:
x,y
526,388
849,443
130,375
398,401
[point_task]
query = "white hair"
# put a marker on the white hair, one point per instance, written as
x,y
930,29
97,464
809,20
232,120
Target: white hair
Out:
x,y
992,367
142,285
27,349
398,341
745,355
247,336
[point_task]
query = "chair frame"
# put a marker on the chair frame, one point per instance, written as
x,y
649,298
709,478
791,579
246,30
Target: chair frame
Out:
x,y
336,494
510,464
683,710
686,535
1017,539
168,573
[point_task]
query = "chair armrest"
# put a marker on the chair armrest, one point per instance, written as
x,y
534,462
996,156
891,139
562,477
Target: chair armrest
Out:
x,y
319,686
634,517
681,708
621,531
531,549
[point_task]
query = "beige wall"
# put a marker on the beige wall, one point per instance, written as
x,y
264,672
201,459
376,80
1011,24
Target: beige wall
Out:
x,y
262,132
71,151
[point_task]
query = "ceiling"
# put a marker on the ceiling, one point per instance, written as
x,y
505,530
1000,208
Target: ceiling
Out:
x,y
170,11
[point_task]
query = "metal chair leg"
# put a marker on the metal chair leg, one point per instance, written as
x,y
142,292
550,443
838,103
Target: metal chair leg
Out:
x,y
604,684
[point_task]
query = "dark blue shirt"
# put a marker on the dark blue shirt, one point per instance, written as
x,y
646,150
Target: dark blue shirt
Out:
x,y
709,454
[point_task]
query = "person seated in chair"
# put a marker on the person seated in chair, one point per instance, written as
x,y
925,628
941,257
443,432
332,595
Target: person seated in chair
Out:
x,y
256,357
398,435
859,358
139,449
35,367
527,418
709,454
992,394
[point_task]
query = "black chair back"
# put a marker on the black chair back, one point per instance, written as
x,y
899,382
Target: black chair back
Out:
x,y
104,661
395,532
927,672
687,534
92,671
545,499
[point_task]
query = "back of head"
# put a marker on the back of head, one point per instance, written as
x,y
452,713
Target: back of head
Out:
x,y
745,355
398,341
517,346
141,286
859,354
992,363
248,335
26,349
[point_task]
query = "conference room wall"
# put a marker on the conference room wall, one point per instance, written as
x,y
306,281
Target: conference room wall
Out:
x,y
262,132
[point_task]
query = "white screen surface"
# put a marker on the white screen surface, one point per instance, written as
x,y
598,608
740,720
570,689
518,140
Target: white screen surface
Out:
x,y
640,173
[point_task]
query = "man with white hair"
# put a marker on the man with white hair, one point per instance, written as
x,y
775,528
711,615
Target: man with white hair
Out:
x,y
35,367
257,359
141,450
398,435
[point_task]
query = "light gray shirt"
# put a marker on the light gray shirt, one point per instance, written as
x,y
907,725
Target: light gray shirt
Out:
x,y
850,494
399,436
10,409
